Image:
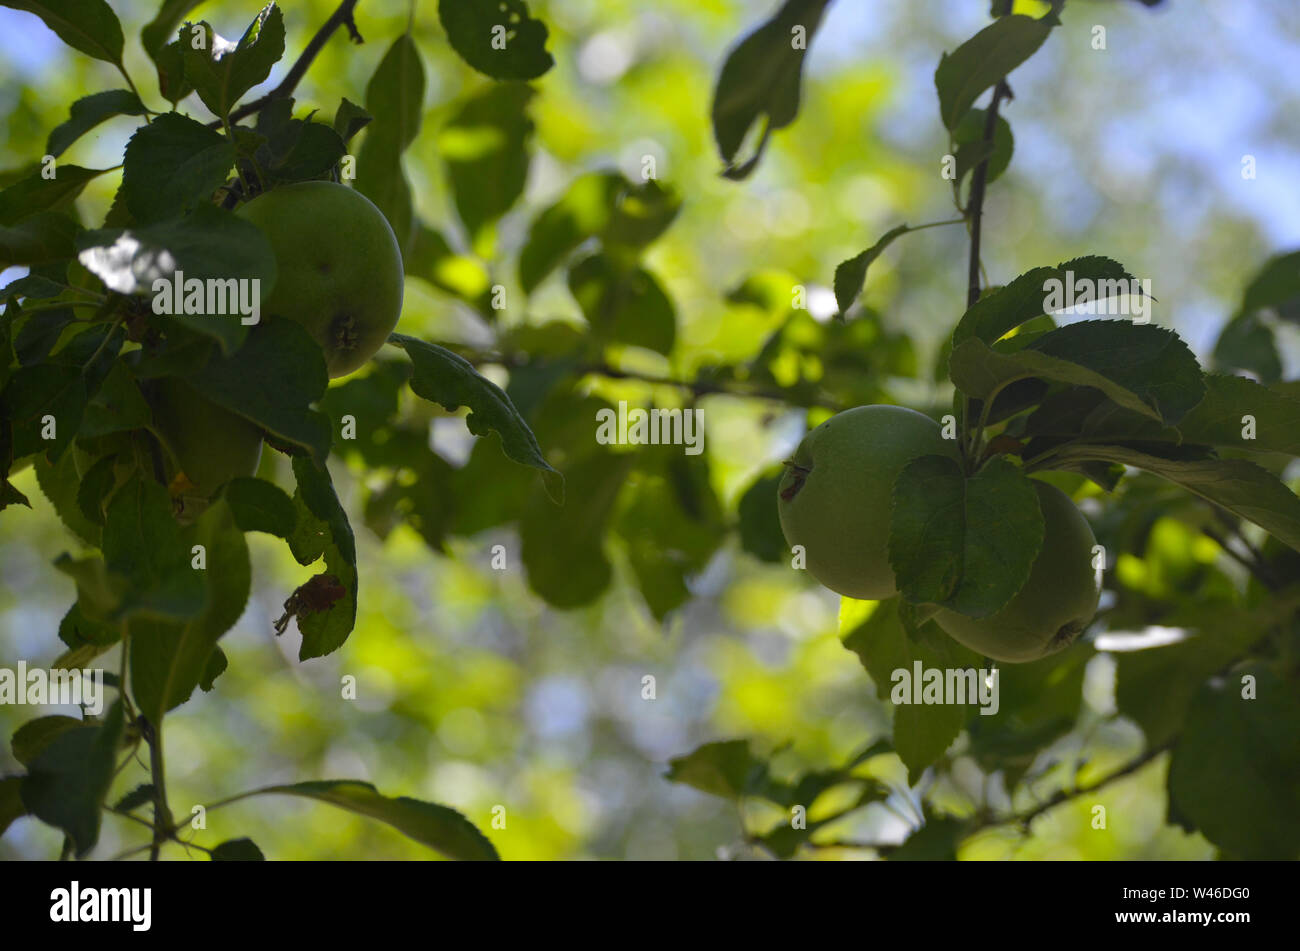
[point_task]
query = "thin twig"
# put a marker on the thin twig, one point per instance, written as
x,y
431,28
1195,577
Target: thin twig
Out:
x,y
698,387
975,208
1024,819
162,816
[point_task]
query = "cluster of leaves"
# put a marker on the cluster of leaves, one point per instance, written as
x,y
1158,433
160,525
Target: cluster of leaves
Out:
x,y
1086,400
1090,402
82,351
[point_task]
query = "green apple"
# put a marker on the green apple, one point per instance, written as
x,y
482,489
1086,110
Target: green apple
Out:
x,y
207,445
1057,600
339,268
836,496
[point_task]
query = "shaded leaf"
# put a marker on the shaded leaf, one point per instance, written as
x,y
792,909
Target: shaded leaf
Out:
x,y
323,531
443,377
438,827
1241,487
1143,368
1002,310
260,506
66,783
922,732
172,165
88,112
985,58
169,660
35,735
497,37
761,78
222,71
90,26
485,148
1256,743
139,796
760,523
37,193
272,380
626,306
851,275
238,850
965,543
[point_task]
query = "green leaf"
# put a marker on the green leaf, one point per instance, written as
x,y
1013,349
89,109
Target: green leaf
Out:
x,y
585,210
967,544
936,841
922,732
1143,368
38,239
168,660
1275,286
1218,419
117,407
272,380
1156,686
1241,487
210,244
139,796
59,483
11,801
66,783
443,377
214,668
1037,702
726,768
349,119
760,523
38,193
1002,310
323,530
485,146
439,827
59,387
851,275
395,98
238,850
169,64
497,37
985,58
972,149
621,305
762,78
90,26
143,544
38,334
1235,772
158,30
432,258
295,150
260,506
100,596
32,287
88,112
563,545
672,525
221,71
640,213
97,482
1246,343
172,165
34,735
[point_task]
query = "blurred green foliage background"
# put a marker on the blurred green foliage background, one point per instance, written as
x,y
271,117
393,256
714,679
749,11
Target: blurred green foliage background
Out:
x,y
473,693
